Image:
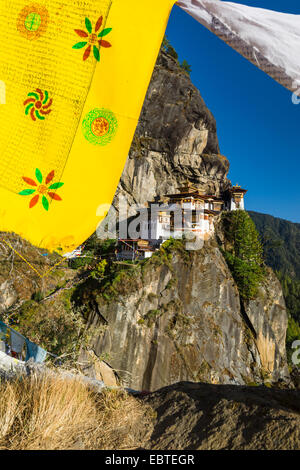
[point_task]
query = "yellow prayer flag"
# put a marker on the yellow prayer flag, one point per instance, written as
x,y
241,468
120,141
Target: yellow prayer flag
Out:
x,y
74,75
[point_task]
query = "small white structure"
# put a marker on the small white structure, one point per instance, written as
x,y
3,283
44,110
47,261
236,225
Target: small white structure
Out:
x,y
132,250
237,198
75,253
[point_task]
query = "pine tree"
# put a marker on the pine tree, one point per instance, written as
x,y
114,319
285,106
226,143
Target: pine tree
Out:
x,y
171,51
186,67
245,257
166,43
167,46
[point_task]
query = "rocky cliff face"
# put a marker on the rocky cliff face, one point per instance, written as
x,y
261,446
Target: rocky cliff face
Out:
x,y
183,320
267,314
179,317
175,140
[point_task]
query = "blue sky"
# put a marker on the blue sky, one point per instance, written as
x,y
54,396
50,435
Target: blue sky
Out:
x,y
258,125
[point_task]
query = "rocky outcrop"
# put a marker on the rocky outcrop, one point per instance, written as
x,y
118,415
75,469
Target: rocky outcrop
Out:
x,y
267,314
93,367
179,317
221,417
175,140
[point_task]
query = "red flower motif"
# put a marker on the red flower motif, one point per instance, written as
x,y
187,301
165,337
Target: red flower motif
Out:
x,y
41,189
92,39
38,104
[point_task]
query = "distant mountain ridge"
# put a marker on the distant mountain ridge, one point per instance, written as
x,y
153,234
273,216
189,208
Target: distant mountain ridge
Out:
x,y
286,256
281,240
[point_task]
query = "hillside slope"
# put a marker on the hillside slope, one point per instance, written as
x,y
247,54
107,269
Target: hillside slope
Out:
x,y
222,417
281,240
284,257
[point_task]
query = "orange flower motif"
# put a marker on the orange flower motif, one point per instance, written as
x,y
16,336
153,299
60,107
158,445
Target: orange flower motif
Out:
x,y
33,21
42,189
92,39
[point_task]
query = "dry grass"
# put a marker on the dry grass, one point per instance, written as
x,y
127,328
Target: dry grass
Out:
x,y
55,413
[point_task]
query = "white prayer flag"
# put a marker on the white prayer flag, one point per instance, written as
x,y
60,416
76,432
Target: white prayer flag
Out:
x,y
268,39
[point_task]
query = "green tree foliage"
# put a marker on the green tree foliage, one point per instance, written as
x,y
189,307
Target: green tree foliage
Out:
x,y
169,49
80,262
98,246
94,249
186,67
244,253
166,43
291,291
99,271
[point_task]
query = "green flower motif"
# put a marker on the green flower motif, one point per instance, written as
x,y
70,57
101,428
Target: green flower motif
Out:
x,y
33,21
92,39
42,190
38,105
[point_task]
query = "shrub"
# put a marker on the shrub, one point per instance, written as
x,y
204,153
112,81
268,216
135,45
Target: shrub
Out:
x,y
54,325
81,261
99,271
37,296
94,248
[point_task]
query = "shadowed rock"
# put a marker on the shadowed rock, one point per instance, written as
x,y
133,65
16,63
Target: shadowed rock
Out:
x,y
194,416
